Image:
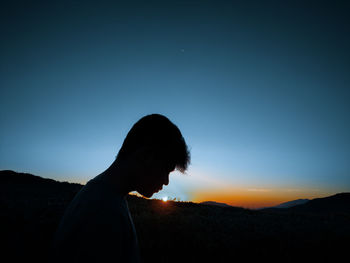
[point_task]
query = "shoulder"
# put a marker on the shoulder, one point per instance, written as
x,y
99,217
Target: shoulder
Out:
x,y
94,205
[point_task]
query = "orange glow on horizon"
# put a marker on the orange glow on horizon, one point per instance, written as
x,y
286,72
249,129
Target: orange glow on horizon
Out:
x,y
254,198
207,188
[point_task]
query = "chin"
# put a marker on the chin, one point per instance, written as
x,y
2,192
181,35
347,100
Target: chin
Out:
x,y
146,194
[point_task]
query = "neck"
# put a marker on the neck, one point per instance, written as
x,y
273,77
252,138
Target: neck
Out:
x,y
118,176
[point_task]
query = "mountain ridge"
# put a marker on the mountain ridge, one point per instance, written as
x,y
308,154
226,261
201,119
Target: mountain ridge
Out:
x,y
30,213
215,204
335,204
14,182
10,176
338,203
292,203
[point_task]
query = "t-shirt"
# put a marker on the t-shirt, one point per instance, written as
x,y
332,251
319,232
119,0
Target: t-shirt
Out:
x,y
96,227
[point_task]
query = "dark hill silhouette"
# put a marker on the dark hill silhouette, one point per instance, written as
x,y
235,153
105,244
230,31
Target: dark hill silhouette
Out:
x,y
24,190
339,203
215,203
8,177
335,204
11,177
290,204
31,207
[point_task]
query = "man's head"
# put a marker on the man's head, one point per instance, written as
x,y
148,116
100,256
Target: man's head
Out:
x,y
154,147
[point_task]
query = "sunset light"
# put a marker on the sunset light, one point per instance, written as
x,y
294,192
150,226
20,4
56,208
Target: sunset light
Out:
x,y
175,131
264,113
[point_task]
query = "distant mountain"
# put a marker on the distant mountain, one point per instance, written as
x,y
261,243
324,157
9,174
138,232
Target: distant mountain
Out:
x,y
339,203
335,204
31,208
292,203
13,178
27,190
20,188
215,203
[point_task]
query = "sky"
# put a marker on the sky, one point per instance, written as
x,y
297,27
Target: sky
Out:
x,y
259,89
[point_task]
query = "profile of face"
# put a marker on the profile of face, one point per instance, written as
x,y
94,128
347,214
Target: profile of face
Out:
x,y
154,175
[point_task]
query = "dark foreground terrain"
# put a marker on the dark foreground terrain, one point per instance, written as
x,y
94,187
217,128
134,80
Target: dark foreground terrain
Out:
x,y
31,207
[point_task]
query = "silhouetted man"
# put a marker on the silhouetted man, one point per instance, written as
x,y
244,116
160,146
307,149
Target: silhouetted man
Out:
x,y
97,226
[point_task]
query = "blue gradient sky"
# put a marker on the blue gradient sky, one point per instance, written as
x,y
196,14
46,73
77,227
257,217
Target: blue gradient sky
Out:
x,y
259,89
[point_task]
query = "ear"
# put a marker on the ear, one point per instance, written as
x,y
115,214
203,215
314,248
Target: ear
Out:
x,y
144,156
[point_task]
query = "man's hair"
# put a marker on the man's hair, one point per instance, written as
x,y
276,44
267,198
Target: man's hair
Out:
x,y
162,137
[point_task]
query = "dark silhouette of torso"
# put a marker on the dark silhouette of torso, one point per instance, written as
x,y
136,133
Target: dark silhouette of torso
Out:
x,y
96,227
